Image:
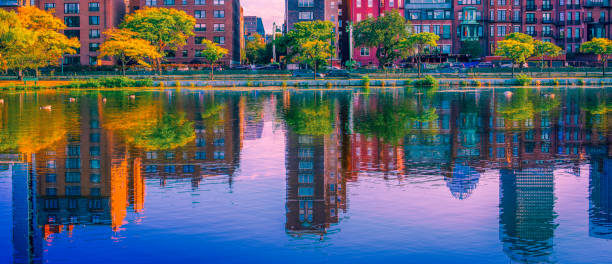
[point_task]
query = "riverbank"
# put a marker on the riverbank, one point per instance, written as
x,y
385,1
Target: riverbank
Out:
x,y
324,83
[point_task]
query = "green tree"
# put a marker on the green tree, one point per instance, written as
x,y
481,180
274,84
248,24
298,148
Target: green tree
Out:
x,y
256,51
542,49
125,47
385,33
421,43
31,39
212,53
312,117
169,132
471,47
520,37
303,32
166,29
602,47
514,50
314,53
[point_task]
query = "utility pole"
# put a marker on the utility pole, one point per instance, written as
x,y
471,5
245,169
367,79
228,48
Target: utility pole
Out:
x,y
274,42
351,41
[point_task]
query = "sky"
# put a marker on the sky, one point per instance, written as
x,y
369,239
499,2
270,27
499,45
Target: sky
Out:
x,y
269,10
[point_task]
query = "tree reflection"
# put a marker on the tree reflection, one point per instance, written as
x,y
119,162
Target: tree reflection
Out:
x,y
169,132
34,124
310,117
523,104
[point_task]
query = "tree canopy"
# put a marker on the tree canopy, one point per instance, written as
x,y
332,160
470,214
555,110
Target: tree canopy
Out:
x,y
310,31
514,50
212,53
31,39
385,33
601,47
421,43
126,47
165,28
315,53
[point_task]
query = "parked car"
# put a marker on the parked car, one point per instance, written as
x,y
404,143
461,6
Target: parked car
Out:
x,y
306,73
270,67
338,73
485,65
240,67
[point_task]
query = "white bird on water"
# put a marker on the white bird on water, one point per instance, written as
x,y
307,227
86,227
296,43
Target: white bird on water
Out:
x,y
132,96
72,100
508,94
46,107
1,101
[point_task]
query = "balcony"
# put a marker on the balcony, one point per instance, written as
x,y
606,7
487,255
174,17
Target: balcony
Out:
x,y
572,7
547,34
531,21
560,22
603,20
547,21
560,37
573,40
547,7
573,22
532,33
531,8
588,19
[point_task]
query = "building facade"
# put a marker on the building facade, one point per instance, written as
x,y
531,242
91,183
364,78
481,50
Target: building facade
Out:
x,y
216,20
252,25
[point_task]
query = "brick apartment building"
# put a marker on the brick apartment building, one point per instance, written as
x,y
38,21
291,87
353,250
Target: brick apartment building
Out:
x,y
216,20
254,24
567,23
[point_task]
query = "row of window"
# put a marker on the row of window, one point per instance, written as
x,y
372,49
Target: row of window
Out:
x,y
75,21
170,169
73,204
202,13
73,191
201,27
183,2
370,3
74,8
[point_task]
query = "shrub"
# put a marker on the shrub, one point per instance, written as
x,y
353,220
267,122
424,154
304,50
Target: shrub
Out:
x,y
365,80
463,83
329,85
161,84
538,82
284,84
523,80
477,83
177,84
580,82
249,84
554,82
428,81
192,84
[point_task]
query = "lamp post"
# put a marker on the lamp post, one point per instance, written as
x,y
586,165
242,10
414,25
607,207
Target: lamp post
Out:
x,y
274,42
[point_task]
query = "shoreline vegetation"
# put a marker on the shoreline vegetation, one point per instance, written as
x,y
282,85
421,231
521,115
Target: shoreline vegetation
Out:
x,y
520,80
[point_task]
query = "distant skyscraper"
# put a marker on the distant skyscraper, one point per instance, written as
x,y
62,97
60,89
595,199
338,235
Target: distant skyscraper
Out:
x,y
527,214
600,199
253,25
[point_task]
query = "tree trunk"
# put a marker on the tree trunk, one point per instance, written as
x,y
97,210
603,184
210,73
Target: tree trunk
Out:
x,y
123,66
512,70
20,74
603,73
419,65
159,66
212,71
315,71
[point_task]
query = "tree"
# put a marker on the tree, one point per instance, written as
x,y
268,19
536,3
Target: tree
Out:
x,y
304,32
255,50
514,50
212,53
471,47
520,37
315,53
123,45
602,47
31,39
385,34
542,49
421,42
165,29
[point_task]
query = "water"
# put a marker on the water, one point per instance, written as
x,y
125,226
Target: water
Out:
x,y
354,176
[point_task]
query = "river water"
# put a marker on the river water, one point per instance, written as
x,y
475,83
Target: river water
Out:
x,y
307,176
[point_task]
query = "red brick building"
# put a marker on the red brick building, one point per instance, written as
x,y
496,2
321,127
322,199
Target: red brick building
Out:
x,y
216,20
86,20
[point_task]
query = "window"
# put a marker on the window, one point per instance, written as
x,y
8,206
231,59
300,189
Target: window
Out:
x,y
305,153
185,53
94,178
73,177
95,137
200,155
94,164
307,3
51,191
199,2
73,163
95,124
219,40
200,27
93,47
200,14
219,155
219,2
305,165
305,191
169,2
94,151
51,204
94,7
72,21
51,177
74,150
219,13
188,169
94,20
71,8
49,6
305,178
73,190
151,2
305,15
151,169
219,27
170,155
198,53
170,169
51,164
94,192
365,51
94,33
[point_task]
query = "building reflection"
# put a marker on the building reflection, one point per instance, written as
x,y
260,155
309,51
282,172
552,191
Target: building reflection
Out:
x,y
315,185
